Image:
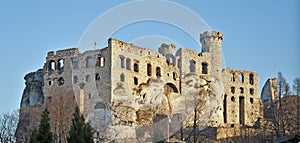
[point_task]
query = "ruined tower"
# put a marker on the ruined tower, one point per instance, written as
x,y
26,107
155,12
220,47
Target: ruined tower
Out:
x,y
212,43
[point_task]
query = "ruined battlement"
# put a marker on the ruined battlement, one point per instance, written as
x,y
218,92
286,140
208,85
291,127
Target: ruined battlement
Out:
x,y
166,49
212,35
63,53
130,48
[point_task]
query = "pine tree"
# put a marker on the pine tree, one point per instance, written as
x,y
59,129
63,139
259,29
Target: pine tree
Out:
x,y
80,132
43,134
33,137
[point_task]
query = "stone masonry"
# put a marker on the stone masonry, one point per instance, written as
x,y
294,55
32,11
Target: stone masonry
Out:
x,y
123,87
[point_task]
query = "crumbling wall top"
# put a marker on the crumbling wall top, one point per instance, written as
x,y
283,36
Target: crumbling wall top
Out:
x,y
166,49
214,34
62,53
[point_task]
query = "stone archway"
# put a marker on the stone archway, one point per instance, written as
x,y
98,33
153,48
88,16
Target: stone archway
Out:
x,y
170,88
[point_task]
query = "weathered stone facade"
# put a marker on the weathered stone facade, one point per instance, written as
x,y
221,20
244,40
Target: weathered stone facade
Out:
x,y
124,87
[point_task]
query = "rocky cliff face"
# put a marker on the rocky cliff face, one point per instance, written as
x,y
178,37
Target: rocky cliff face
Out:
x,y
31,105
33,93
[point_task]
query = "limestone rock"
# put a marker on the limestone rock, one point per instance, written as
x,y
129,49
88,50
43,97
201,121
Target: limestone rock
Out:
x,y
33,93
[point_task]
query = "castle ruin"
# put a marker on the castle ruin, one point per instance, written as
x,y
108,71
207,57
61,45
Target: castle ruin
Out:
x,y
123,87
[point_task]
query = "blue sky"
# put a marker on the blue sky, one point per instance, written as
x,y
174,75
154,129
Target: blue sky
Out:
x,y
263,36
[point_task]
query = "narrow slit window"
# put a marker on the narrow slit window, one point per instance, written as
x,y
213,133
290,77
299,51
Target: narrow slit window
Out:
x,y
61,64
251,80
52,65
102,61
158,72
122,77
128,64
241,78
232,77
149,70
192,66
122,65
135,81
251,91
75,79
204,68
87,78
174,75
97,76
136,67
179,63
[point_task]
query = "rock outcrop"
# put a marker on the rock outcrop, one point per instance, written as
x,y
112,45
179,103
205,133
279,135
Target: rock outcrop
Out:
x,y
33,93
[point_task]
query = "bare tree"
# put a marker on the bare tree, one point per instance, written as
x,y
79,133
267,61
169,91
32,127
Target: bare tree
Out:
x,y
8,126
296,86
283,90
282,86
61,104
28,120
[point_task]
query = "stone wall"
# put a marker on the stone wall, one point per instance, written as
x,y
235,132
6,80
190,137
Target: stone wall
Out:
x,y
242,102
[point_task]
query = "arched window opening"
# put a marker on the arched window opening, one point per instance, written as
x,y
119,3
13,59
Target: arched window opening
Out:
x,y
122,64
149,70
241,78
232,90
158,72
136,67
204,68
232,77
169,88
100,61
192,66
251,91
251,80
61,65
242,110
128,64
52,65
242,90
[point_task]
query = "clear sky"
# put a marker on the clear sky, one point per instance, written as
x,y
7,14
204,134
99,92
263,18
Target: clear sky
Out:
x,y
263,36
